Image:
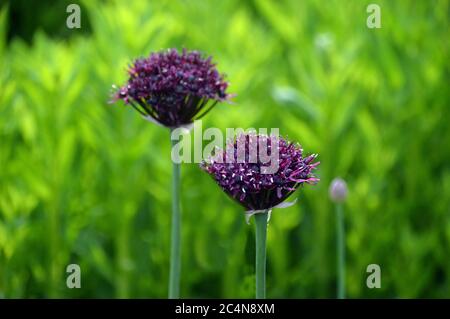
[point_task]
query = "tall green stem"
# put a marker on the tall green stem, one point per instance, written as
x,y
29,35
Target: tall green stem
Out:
x,y
175,250
340,231
261,236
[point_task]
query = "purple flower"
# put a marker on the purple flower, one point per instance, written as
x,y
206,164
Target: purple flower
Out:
x,y
244,177
173,89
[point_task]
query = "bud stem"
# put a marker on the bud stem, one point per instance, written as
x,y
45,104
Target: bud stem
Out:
x,y
340,233
261,236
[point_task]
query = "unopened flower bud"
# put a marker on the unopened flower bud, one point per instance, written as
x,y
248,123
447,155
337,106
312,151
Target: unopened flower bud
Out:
x,y
338,190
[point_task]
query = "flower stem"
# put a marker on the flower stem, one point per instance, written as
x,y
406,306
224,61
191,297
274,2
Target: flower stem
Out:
x,y
261,236
340,231
175,250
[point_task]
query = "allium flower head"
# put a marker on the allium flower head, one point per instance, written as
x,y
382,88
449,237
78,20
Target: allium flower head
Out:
x,y
173,88
246,179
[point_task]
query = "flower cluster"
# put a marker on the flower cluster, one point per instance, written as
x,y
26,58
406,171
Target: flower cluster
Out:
x,y
244,177
173,88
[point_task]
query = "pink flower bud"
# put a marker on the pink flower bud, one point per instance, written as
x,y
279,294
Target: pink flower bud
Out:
x,y
338,190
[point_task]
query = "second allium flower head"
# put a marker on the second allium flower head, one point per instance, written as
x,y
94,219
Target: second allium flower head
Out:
x,y
173,88
245,179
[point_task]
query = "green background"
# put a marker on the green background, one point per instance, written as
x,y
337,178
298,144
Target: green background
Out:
x,y
86,182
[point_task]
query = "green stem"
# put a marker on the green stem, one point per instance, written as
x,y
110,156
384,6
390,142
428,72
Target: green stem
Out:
x,y
175,250
340,231
261,236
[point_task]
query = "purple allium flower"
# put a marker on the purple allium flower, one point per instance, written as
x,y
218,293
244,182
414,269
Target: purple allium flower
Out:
x,y
338,190
246,180
173,89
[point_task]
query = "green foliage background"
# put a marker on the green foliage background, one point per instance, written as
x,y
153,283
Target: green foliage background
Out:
x,y
85,182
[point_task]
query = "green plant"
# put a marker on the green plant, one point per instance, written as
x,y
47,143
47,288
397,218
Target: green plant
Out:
x,y
81,182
